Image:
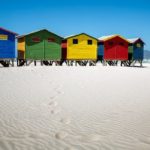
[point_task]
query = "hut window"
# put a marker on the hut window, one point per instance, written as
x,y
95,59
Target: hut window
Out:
x,y
89,42
100,43
75,41
121,43
110,43
36,39
130,44
138,45
51,40
3,37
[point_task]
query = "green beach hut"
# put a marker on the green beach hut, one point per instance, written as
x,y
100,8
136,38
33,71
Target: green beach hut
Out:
x,y
40,45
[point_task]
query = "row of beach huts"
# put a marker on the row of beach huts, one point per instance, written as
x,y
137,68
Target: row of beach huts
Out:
x,y
50,48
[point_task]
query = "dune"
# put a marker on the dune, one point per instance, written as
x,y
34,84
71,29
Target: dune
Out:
x,y
75,108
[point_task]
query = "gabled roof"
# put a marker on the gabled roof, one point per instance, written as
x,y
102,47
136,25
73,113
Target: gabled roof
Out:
x,y
71,36
21,36
134,40
106,38
8,31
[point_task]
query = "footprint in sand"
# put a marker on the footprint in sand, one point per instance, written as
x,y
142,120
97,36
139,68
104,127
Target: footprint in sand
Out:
x,y
55,111
33,135
53,103
57,89
60,92
52,97
61,135
92,138
65,120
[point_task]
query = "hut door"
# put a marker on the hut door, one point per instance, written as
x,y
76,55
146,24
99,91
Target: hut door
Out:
x,y
64,53
64,50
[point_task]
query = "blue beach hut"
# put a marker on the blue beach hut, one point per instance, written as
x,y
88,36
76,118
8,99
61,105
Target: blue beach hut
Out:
x,y
7,47
136,50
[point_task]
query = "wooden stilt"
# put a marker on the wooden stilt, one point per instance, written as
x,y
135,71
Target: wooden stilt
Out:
x,y
68,62
41,63
26,62
75,63
17,62
35,63
121,63
12,62
140,63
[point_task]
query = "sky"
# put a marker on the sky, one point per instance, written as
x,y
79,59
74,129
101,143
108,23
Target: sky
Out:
x,y
129,18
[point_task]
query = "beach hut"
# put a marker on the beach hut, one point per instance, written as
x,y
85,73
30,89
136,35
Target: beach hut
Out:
x,y
7,47
40,45
81,48
113,48
136,50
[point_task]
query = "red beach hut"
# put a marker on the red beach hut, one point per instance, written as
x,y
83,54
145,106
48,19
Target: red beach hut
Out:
x,y
115,47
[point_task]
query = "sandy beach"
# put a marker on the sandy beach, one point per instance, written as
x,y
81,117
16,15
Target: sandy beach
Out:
x,y
75,108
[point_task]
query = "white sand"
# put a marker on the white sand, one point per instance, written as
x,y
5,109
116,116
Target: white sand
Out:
x,y
75,108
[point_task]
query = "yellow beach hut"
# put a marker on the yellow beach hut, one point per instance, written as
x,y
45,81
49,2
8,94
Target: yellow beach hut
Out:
x,y
81,48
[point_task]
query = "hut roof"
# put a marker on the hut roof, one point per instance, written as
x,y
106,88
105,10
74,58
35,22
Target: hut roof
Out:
x,y
21,36
70,36
8,31
108,37
134,40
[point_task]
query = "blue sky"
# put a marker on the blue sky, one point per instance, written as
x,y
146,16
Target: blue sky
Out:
x,y
130,18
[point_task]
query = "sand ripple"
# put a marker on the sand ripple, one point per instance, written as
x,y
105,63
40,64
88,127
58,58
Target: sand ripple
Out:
x,y
44,108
